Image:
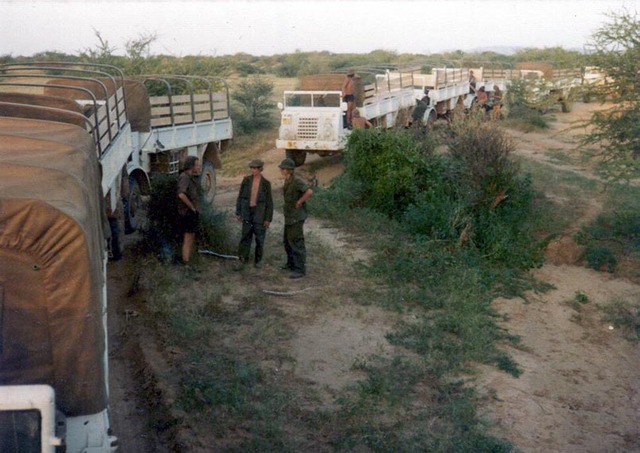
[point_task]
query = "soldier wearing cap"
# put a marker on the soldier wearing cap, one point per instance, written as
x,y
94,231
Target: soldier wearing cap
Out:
x,y
296,193
348,95
254,208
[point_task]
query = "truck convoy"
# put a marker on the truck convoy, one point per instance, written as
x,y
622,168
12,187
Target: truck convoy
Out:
x,y
312,117
71,135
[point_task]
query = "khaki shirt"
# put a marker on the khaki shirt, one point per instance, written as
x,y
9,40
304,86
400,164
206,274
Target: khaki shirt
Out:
x,y
293,189
189,186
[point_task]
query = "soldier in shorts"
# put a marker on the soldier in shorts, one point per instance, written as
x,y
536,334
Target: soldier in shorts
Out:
x,y
348,95
188,205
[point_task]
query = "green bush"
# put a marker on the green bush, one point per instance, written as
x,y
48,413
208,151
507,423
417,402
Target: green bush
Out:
x,y
497,199
612,234
598,257
252,109
389,167
522,113
162,236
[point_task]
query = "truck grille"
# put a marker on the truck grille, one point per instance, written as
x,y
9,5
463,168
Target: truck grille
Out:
x,y
307,128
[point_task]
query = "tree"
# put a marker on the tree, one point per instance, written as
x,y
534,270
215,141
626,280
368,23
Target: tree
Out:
x,y
253,97
615,49
138,51
102,53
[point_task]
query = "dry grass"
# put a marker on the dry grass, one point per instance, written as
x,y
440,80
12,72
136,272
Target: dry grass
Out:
x,y
245,148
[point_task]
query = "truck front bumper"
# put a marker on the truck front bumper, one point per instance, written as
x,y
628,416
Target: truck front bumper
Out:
x,y
311,145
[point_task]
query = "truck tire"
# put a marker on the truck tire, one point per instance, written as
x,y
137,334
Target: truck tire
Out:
x,y
208,182
134,210
297,156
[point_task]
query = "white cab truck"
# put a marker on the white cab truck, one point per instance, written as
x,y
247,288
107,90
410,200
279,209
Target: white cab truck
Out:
x,y
312,118
72,136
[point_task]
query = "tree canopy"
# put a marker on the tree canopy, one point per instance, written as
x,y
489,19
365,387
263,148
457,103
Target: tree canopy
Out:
x,y
615,50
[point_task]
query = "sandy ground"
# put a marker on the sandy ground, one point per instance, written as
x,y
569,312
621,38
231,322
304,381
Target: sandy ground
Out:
x,y
580,386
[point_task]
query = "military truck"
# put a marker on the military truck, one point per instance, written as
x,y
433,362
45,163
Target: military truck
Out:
x,y
143,125
53,342
312,118
71,137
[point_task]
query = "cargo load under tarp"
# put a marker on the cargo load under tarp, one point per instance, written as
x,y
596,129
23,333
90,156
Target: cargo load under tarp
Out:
x,y
75,115
51,263
135,96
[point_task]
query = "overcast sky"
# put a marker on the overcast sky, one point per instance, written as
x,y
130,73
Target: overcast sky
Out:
x,y
272,27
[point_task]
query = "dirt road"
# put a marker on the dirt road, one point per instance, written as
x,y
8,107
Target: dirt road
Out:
x,y
579,390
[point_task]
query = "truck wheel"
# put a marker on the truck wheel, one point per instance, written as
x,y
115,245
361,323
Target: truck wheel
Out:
x,y
297,156
134,209
208,181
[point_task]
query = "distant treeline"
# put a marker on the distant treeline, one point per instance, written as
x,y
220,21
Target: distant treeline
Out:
x,y
299,63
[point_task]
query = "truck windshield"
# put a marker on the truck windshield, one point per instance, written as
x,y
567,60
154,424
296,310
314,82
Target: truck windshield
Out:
x,y
312,100
20,431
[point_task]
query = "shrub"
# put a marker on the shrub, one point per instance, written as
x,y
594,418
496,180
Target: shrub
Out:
x,y
522,113
625,316
388,166
598,257
253,109
162,236
496,198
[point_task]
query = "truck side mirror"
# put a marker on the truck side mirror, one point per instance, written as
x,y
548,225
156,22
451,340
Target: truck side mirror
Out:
x,y
280,105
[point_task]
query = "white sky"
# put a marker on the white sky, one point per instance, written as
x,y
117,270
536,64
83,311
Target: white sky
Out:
x,y
271,27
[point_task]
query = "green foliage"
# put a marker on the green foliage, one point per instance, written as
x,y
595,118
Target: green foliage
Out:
x,y
581,297
598,257
253,109
388,167
523,112
624,315
615,233
556,56
615,50
496,198
291,65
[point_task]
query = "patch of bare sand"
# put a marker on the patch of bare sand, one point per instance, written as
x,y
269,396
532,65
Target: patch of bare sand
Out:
x,y
580,387
326,348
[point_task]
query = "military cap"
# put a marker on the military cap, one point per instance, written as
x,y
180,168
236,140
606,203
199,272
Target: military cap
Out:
x,y
288,164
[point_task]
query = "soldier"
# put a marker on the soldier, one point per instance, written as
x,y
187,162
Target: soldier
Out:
x,y
254,208
296,193
348,95
189,205
359,122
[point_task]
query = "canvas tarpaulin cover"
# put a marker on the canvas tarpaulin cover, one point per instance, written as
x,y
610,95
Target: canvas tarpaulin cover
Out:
x,y
51,263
